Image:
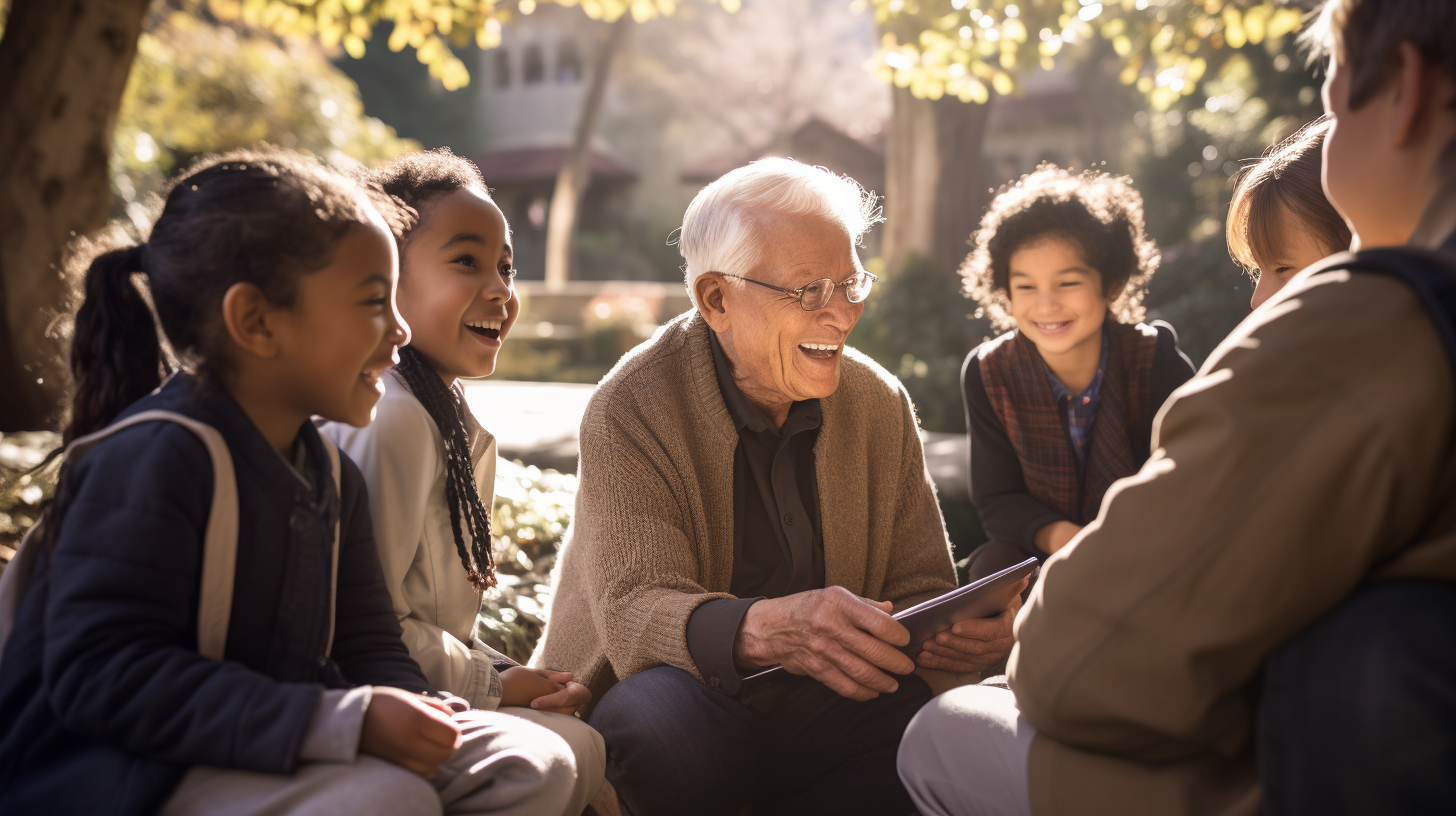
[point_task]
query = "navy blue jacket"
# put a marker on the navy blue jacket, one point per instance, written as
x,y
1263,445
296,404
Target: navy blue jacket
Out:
x,y
104,698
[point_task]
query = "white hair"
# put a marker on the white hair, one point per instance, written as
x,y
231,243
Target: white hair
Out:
x,y
719,229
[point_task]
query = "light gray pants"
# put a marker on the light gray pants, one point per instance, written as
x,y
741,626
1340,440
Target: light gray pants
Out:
x,y
965,754
508,764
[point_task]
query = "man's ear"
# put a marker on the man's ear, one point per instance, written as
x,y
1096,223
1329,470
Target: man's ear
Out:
x,y
710,290
1414,102
246,313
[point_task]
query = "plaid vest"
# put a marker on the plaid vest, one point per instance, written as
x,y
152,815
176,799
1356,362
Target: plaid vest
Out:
x,y
1015,378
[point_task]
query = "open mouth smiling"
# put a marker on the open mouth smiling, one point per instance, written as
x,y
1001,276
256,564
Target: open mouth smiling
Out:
x,y
486,328
820,351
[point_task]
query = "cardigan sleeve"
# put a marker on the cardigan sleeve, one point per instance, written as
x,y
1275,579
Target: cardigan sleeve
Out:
x,y
922,568
120,662
398,457
1008,512
631,530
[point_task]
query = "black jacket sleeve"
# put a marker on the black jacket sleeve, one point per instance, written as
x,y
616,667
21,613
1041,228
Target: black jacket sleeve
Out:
x,y
121,662
367,636
1009,513
1171,367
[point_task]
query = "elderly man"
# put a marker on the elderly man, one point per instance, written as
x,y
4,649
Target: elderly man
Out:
x,y
754,493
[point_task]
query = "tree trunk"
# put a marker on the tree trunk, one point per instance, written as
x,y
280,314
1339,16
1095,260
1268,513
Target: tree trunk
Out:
x,y
934,184
63,66
575,174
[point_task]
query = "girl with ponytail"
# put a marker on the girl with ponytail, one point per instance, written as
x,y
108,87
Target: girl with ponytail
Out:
x,y
272,282
429,464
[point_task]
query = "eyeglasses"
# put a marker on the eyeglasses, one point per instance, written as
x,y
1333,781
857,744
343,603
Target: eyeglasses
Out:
x,y
815,295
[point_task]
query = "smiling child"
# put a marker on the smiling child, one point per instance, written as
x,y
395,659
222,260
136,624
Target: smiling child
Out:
x,y
1062,405
429,464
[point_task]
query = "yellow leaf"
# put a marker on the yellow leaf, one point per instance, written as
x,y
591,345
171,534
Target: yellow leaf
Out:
x,y
359,26
489,35
978,92
354,44
1008,61
1145,84
732,6
1122,45
399,37
1002,83
1128,76
1254,22
1233,28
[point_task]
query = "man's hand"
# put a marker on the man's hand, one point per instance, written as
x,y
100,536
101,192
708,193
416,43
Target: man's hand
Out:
x,y
410,730
543,690
972,645
846,642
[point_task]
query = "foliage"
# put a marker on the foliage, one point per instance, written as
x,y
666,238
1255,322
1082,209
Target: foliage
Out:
x,y
532,511
430,27
960,47
197,88
24,490
917,325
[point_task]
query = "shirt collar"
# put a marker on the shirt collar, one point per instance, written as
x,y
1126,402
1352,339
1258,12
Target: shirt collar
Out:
x,y
1090,393
802,414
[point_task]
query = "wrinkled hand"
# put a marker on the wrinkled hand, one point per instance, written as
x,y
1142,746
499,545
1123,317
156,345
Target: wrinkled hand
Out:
x,y
846,642
410,730
571,697
973,645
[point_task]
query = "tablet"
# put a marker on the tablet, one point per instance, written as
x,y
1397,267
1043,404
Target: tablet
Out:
x,y
984,598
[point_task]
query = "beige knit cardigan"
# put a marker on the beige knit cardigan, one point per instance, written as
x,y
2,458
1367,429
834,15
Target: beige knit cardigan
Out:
x,y
652,536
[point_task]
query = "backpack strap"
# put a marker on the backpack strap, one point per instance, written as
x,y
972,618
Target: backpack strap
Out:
x,y
219,542
334,469
1431,274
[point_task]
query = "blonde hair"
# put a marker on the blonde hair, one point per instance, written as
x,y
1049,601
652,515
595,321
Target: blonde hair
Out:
x,y
1285,180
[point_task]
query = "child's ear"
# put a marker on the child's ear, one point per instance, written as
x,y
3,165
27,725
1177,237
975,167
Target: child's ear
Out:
x,y
246,312
1415,93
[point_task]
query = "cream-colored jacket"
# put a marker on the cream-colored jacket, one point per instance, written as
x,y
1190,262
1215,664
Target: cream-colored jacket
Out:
x,y
400,454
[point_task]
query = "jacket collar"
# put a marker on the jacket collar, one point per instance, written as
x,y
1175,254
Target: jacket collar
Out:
x,y
203,398
1437,227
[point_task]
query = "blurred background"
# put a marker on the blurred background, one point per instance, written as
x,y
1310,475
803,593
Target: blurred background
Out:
x,y
595,122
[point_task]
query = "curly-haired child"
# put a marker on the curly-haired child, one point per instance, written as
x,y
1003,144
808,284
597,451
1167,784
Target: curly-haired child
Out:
x,y
1062,405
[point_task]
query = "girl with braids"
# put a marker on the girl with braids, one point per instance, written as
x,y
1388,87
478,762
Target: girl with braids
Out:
x,y
429,464
273,280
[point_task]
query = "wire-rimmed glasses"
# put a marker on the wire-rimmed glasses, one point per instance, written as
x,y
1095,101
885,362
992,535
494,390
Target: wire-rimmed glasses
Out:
x,y
816,294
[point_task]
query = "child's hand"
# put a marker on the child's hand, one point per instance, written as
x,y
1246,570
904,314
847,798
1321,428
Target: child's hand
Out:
x,y
571,697
410,730
543,690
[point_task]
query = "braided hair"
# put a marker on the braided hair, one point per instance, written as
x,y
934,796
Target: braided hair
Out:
x,y
418,179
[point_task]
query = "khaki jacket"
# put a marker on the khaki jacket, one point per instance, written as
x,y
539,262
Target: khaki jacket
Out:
x,y
400,456
1313,452
652,535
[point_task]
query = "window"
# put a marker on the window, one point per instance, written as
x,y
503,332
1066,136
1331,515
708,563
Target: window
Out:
x,y
535,69
568,63
502,69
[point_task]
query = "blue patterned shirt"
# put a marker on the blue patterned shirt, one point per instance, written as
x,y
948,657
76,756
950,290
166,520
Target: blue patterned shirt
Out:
x,y
1078,410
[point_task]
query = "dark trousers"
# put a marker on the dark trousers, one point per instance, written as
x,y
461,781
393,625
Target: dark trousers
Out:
x,y
1358,712
788,745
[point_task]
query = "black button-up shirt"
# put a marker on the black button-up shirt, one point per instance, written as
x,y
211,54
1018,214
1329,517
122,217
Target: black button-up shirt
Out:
x,y
777,548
